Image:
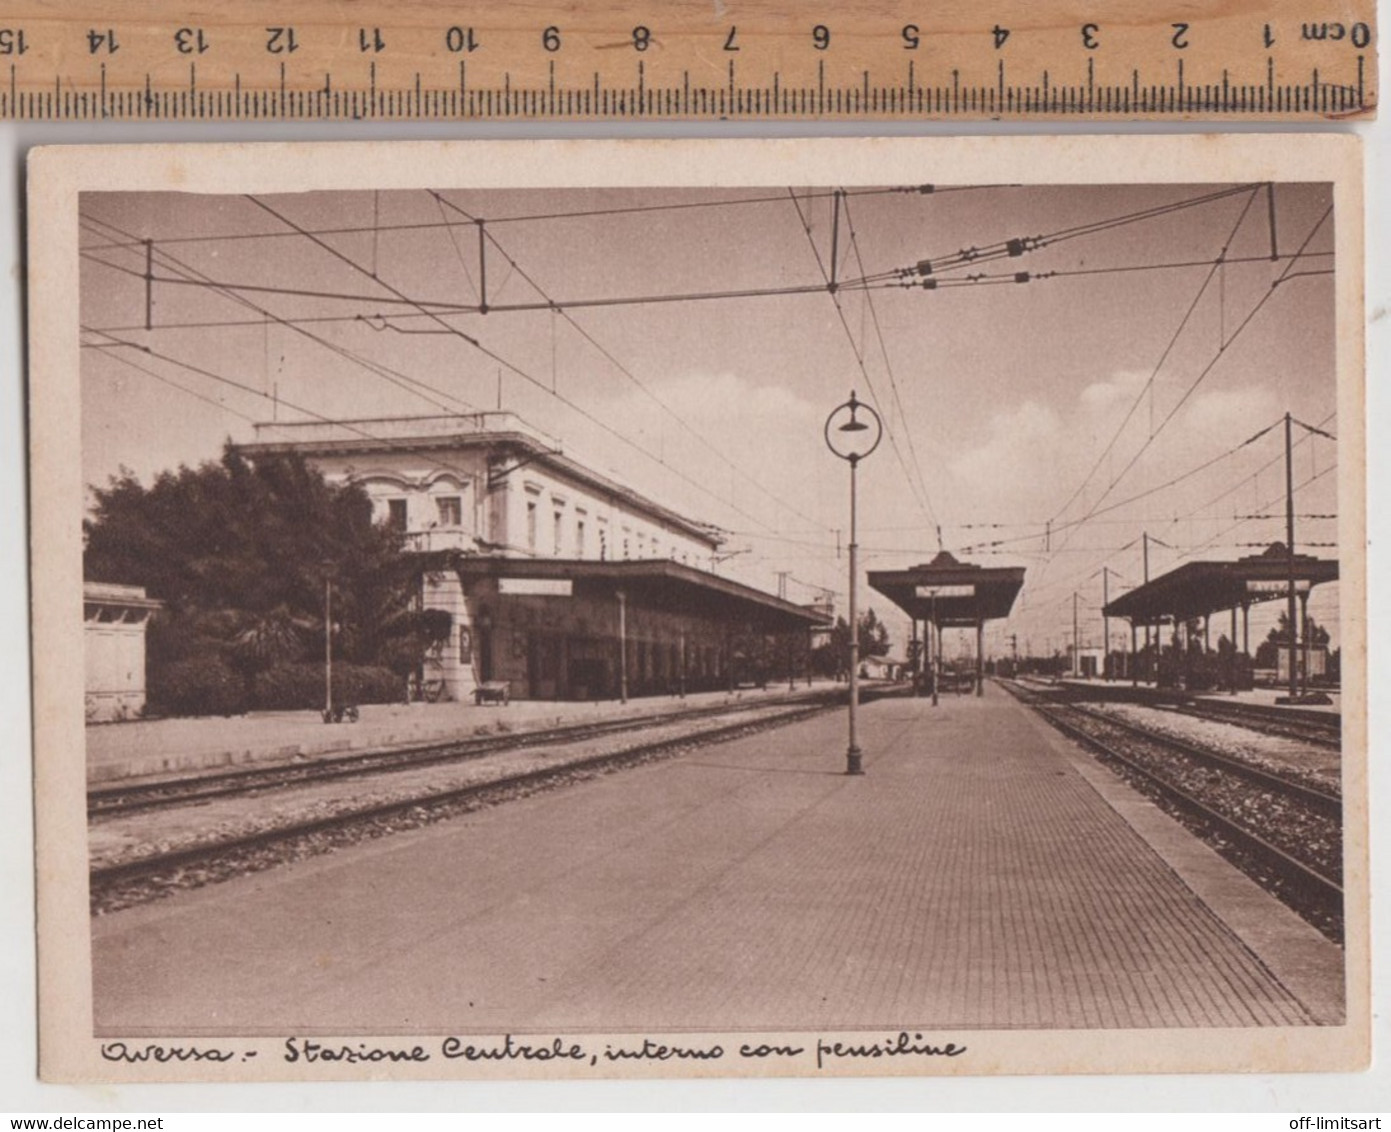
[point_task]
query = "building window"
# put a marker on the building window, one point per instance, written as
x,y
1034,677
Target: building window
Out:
x,y
531,526
603,544
451,511
579,539
556,531
396,514
625,548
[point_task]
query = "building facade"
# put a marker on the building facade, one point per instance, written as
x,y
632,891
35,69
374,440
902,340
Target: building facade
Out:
x,y
560,582
114,624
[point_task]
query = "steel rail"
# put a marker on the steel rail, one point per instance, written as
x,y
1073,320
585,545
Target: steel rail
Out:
x,y
1320,891
1303,726
104,878
1325,803
166,793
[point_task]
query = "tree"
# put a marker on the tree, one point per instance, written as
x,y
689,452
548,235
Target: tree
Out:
x,y
239,551
832,656
1268,651
874,635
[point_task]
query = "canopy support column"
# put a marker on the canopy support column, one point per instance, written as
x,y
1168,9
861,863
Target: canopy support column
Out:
x,y
1304,638
1231,674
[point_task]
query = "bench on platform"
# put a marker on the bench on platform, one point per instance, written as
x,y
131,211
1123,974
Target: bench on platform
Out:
x,y
493,692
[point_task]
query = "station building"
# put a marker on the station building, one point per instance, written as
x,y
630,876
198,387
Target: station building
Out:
x,y
114,622
561,582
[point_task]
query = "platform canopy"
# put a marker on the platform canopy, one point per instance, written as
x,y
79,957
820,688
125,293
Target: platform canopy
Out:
x,y
950,592
662,583
1197,589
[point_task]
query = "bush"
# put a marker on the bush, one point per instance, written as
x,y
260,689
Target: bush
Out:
x,y
202,686
292,687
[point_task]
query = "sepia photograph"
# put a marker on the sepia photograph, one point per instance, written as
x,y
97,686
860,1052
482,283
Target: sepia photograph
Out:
x,y
717,609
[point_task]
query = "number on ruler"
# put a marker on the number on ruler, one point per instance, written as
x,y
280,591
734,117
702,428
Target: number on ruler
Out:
x,y
372,42
281,41
550,38
911,37
12,41
459,39
821,37
190,41
1000,34
98,41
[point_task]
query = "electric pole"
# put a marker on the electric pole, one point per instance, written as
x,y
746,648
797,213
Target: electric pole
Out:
x,y
1105,624
1148,659
1076,656
1289,549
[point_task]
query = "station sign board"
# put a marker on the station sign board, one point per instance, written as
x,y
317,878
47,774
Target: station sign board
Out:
x,y
946,591
1261,587
536,587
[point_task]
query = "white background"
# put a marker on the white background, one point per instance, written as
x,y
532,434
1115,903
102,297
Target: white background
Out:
x,y
20,1090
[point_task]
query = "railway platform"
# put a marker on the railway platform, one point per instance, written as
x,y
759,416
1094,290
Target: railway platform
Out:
x,y
149,748
983,873
1260,699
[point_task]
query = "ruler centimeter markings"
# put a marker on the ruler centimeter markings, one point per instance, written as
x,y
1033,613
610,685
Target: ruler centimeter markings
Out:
x,y
89,60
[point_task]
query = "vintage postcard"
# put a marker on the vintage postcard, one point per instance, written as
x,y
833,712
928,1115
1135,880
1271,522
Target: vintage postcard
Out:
x,y
648,609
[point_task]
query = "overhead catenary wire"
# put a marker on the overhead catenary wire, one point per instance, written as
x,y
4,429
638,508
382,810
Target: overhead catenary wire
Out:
x,y
1207,369
888,364
922,502
1218,355
690,429
371,365
399,314
576,214
513,368
422,389
1163,357
1195,512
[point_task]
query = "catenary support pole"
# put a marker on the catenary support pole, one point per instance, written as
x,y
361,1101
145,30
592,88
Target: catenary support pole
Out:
x,y
1289,557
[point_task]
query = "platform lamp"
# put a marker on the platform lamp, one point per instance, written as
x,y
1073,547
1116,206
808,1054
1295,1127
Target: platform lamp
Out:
x,y
852,437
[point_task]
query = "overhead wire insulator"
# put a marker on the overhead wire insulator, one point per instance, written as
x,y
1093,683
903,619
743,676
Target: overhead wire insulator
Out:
x,y
1015,247
1021,276
923,267
929,284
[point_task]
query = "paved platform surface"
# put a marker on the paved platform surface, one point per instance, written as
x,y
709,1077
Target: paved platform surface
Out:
x,y
146,748
982,874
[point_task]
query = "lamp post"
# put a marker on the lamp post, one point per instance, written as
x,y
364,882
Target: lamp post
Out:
x,y
852,439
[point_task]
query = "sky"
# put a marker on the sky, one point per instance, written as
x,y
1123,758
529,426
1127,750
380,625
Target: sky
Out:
x,y
1047,424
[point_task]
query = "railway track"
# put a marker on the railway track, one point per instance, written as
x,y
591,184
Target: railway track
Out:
x,y
1322,729
119,884
1307,728
1322,801
121,800
1196,785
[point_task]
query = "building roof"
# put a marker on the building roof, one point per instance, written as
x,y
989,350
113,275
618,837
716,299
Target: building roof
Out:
x,y
670,583
1197,589
118,598
506,434
956,593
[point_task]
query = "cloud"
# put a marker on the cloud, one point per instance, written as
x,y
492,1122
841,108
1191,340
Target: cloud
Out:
x,y
1015,466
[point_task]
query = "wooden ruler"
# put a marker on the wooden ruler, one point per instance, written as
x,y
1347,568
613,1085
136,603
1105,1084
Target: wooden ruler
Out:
x,y
243,60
